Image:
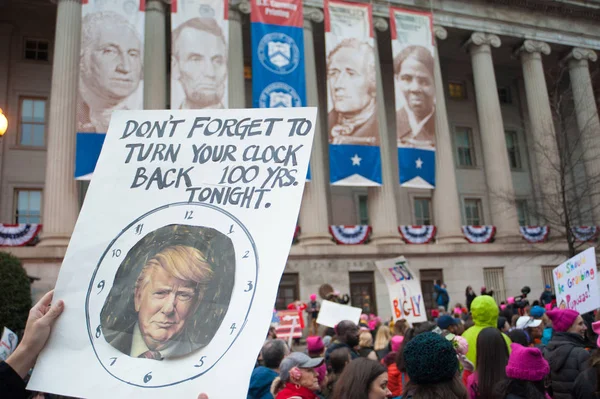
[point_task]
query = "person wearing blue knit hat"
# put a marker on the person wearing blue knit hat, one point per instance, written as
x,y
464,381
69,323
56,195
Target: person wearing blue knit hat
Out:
x,y
546,296
537,312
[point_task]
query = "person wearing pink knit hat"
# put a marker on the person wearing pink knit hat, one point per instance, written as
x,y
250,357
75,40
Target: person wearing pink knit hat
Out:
x,y
566,352
525,374
586,384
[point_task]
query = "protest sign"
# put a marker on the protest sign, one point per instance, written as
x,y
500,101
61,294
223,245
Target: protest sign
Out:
x,y
172,271
406,297
332,313
8,343
576,284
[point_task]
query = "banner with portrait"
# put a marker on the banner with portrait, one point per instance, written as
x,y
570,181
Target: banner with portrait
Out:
x,y
199,51
354,156
111,72
404,288
278,78
414,51
174,264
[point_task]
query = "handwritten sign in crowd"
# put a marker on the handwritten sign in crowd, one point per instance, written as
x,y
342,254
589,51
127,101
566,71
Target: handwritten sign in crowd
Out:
x,y
576,283
174,264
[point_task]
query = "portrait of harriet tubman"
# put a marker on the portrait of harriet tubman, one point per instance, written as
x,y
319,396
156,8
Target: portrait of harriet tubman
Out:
x,y
170,293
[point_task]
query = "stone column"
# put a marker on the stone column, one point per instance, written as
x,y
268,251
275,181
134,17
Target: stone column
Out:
x,y
542,126
314,212
446,205
60,190
587,118
383,213
495,157
235,64
155,56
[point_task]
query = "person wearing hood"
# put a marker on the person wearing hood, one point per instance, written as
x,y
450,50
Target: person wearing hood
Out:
x,y
272,353
586,384
566,352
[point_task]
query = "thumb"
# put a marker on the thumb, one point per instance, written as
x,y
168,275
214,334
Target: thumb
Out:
x,y
55,311
203,396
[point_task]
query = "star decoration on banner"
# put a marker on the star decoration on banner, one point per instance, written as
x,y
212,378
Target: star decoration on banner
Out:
x,y
419,163
356,160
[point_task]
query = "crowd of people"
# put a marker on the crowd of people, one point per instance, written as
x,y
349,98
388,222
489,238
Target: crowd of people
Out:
x,y
484,350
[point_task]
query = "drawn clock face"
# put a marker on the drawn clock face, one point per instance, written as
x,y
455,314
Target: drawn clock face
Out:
x,y
171,293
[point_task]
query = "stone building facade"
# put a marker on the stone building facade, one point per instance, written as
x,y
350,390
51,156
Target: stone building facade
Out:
x,y
495,62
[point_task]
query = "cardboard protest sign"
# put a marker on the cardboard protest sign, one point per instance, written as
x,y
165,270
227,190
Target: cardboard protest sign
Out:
x,y
332,313
173,268
576,283
406,297
8,343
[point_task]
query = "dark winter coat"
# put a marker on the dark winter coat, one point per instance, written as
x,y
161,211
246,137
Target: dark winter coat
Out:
x,y
470,298
11,383
260,383
568,357
337,345
586,385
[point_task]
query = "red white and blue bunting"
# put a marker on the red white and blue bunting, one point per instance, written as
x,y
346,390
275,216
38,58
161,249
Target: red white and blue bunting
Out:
x,y
585,233
534,234
417,234
479,234
350,235
17,235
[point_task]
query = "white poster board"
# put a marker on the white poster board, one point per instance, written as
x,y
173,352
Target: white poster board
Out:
x,y
332,313
173,268
404,287
8,343
576,283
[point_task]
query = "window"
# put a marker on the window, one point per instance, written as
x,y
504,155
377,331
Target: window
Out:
x,y
362,291
32,123
493,278
363,210
512,146
29,206
422,211
457,90
522,212
36,50
473,214
504,95
463,140
547,276
288,292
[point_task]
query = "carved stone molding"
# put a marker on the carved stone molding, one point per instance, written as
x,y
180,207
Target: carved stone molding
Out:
x,y
313,14
381,24
481,38
535,46
440,32
580,54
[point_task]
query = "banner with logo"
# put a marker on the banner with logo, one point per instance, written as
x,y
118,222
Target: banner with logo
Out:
x,y
111,74
199,50
404,288
576,283
278,78
413,51
354,157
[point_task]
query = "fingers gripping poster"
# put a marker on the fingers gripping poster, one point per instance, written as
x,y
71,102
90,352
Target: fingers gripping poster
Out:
x,y
404,287
173,268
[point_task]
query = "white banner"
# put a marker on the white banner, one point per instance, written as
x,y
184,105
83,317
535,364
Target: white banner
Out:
x,y
406,297
576,283
171,273
332,313
199,51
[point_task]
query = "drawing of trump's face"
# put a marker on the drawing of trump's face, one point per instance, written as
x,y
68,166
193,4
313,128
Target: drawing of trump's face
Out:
x,y
351,76
168,292
200,62
111,60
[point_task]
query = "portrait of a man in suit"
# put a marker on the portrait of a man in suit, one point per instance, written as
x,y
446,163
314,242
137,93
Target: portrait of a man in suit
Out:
x,y
170,293
415,120
352,88
110,69
199,63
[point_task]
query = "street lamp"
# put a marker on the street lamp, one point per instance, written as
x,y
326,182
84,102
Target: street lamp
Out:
x,y
3,123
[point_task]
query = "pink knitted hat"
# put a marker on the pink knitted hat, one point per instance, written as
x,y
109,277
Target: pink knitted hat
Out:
x,y
562,319
526,364
314,344
596,329
396,342
313,297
